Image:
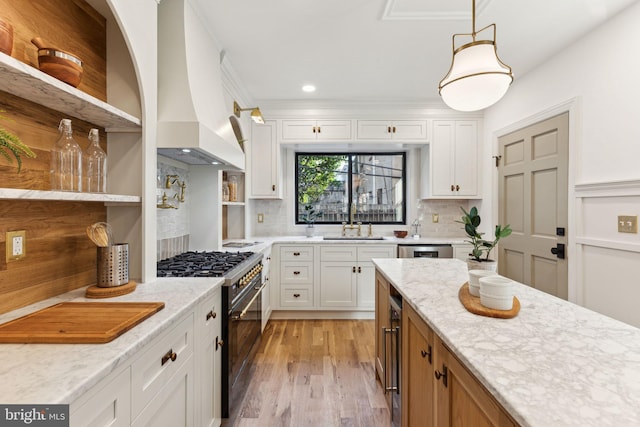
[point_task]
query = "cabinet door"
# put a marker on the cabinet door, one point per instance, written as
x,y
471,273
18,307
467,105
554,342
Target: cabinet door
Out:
x,y
264,162
374,130
209,318
381,322
110,406
462,252
366,286
333,130
466,158
460,399
417,371
408,130
337,284
299,130
173,405
441,164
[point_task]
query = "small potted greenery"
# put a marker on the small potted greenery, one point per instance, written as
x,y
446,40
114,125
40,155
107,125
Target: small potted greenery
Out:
x,y
309,217
471,221
11,145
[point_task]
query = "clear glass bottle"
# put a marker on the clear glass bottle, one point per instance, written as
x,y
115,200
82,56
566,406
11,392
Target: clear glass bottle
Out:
x,y
233,188
66,161
225,191
95,165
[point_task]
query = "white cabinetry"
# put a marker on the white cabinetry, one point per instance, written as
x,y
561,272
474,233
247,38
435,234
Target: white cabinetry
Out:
x,y
402,130
452,161
462,252
347,275
266,291
316,130
107,405
265,170
208,361
162,380
296,276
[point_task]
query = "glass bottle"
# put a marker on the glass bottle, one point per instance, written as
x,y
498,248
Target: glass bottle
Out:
x,y
233,188
95,165
66,161
225,191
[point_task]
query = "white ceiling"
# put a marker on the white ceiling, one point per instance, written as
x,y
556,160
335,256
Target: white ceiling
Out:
x,y
382,50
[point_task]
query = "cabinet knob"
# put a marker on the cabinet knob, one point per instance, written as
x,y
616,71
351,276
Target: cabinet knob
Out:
x,y
388,129
359,269
296,273
442,374
394,129
171,355
319,129
457,188
211,315
273,187
353,269
453,187
219,343
314,129
426,353
296,254
296,295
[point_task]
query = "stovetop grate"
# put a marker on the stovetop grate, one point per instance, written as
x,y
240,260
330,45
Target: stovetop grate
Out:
x,y
201,264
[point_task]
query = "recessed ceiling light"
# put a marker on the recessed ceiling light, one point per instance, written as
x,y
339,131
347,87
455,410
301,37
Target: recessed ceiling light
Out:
x,y
186,150
309,88
215,163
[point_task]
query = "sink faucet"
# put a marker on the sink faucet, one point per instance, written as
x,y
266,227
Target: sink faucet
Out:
x,y
351,226
415,226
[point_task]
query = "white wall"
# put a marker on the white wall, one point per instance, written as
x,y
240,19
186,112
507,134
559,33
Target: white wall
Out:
x,y
600,74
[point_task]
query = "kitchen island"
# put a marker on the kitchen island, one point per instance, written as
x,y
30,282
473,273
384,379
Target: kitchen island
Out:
x,y
554,364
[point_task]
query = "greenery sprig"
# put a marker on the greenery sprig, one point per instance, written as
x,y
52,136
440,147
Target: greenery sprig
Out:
x,y
11,144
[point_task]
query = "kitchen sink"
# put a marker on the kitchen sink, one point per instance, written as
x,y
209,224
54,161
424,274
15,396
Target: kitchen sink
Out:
x,y
353,238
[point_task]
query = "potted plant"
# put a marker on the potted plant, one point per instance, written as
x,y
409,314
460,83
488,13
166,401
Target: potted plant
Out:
x,y
10,145
471,221
309,217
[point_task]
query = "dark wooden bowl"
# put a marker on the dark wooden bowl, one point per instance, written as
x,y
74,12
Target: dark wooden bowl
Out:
x,y
401,234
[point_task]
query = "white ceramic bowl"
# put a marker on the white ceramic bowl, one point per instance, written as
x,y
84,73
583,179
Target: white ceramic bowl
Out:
x,y
474,280
496,292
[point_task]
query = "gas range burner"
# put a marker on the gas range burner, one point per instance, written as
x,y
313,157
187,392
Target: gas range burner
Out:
x,y
201,264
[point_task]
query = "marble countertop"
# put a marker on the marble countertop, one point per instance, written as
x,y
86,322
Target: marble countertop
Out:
x,y
555,364
60,373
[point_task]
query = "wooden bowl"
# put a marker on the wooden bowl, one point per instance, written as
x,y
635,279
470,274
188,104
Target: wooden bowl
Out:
x,y
57,63
401,234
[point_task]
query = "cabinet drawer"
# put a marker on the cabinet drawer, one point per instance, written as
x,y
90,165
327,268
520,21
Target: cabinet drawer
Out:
x,y
149,374
366,253
296,253
338,253
295,297
300,273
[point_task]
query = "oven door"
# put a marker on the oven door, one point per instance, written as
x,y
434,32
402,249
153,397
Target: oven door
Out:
x,y
245,322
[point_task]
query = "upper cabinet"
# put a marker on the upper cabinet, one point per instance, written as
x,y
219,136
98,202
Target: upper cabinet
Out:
x,y
451,161
397,130
315,130
263,162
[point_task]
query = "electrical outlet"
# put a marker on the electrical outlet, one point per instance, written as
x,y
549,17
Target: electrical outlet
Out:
x,y
435,217
260,217
627,224
15,249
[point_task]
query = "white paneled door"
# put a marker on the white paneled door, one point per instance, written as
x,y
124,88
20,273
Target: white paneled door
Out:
x,y
533,190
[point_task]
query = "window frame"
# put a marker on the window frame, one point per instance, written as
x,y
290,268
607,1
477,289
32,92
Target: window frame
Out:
x,y
298,221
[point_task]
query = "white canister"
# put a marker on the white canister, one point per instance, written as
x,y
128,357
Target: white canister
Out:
x,y
496,292
474,280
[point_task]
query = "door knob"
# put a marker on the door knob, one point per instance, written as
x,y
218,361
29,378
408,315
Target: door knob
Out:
x,y
558,250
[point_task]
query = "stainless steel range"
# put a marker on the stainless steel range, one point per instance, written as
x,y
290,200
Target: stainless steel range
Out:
x,y
242,305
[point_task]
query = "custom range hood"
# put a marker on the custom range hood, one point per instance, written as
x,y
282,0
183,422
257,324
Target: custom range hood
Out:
x,y
191,107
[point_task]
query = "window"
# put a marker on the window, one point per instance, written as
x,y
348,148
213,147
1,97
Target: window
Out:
x,y
359,187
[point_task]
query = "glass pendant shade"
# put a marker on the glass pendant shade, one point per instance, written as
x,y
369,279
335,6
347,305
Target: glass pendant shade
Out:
x,y
477,78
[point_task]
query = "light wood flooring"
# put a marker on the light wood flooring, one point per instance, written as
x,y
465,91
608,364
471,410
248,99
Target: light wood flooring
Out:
x,y
310,373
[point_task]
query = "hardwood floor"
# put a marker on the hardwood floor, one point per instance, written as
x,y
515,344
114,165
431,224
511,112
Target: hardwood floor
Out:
x,y
314,373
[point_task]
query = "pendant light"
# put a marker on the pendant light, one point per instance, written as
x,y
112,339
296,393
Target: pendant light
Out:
x,y
477,78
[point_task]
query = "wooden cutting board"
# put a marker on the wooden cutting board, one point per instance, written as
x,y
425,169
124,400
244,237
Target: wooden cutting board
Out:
x,y
78,322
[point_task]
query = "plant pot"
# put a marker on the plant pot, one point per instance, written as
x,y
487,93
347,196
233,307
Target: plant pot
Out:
x,y
474,280
473,264
6,37
310,231
496,292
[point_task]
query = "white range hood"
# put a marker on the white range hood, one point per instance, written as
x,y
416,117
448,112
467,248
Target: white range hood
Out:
x,y
191,109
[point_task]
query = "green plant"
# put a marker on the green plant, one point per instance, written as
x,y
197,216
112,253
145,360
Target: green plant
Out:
x,y
471,221
11,144
310,215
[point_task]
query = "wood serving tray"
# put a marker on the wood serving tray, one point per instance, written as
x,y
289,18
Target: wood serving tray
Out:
x,y
472,304
78,322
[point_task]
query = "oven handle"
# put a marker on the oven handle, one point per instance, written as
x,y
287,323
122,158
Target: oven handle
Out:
x,y
244,312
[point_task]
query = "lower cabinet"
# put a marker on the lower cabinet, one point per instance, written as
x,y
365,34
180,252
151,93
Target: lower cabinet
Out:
x,y
174,381
436,388
462,252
